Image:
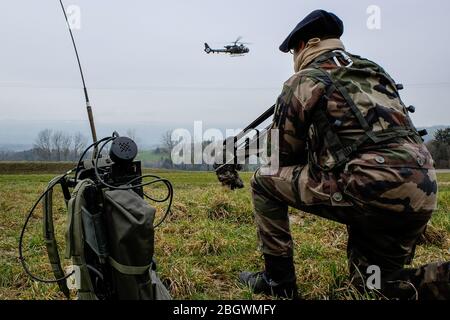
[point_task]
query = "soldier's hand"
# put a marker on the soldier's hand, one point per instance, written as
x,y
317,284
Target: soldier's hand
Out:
x,y
228,175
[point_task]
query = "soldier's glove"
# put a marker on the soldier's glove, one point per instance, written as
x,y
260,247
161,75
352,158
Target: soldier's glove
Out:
x,y
228,175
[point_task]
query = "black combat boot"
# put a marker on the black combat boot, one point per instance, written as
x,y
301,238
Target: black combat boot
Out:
x,y
277,280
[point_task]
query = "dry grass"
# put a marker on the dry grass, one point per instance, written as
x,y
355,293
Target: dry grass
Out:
x,y
435,237
201,248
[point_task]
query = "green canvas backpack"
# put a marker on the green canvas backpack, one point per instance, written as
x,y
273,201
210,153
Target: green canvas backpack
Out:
x,y
111,245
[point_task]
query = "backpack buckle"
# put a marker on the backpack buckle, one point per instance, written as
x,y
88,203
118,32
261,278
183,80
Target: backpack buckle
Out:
x,y
423,132
345,56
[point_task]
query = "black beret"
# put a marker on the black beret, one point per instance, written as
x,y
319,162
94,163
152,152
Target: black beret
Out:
x,y
318,23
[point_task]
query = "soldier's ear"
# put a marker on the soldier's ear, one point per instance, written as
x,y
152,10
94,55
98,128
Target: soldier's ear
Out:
x,y
300,46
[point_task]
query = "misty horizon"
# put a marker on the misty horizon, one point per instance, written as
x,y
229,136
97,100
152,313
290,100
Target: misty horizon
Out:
x,y
146,69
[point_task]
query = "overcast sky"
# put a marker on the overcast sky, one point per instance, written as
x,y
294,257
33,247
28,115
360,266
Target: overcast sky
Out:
x,y
145,66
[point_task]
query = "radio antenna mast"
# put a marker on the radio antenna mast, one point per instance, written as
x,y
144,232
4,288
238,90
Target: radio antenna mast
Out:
x,y
88,103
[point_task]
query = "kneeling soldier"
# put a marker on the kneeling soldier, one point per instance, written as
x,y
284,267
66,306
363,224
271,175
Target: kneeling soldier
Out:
x,y
348,152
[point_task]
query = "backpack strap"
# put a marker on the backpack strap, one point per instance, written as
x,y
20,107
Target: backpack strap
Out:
x,y
129,270
341,152
49,234
75,241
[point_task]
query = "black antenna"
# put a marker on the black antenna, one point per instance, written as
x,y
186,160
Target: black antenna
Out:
x,y
88,103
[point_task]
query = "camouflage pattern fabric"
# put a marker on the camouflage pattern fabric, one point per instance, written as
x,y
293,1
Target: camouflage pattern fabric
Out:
x,y
386,192
398,175
379,237
429,282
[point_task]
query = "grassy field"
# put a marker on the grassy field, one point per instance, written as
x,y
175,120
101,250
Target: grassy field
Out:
x,y
208,239
150,156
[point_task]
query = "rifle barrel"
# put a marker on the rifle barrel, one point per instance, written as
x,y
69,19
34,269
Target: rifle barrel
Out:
x,y
266,115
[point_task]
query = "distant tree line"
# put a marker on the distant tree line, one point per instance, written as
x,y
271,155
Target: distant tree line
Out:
x,y
165,159
163,152
440,148
59,146
50,145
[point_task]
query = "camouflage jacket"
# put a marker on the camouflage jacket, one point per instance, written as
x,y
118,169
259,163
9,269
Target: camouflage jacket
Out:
x,y
397,175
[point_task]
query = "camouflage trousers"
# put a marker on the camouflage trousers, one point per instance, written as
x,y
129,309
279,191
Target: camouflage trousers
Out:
x,y
375,238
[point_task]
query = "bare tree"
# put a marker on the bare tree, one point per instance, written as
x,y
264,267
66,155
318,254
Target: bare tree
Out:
x,y
167,141
168,145
57,138
43,144
79,144
66,143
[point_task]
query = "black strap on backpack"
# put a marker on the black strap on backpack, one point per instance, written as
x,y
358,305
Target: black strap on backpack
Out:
x,y
340,151
49,233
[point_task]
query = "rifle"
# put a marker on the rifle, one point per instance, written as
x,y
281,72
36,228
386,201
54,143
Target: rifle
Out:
x,y
227,171
266,115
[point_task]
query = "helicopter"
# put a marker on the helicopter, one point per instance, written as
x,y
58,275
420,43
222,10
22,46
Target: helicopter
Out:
x,y
234,48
